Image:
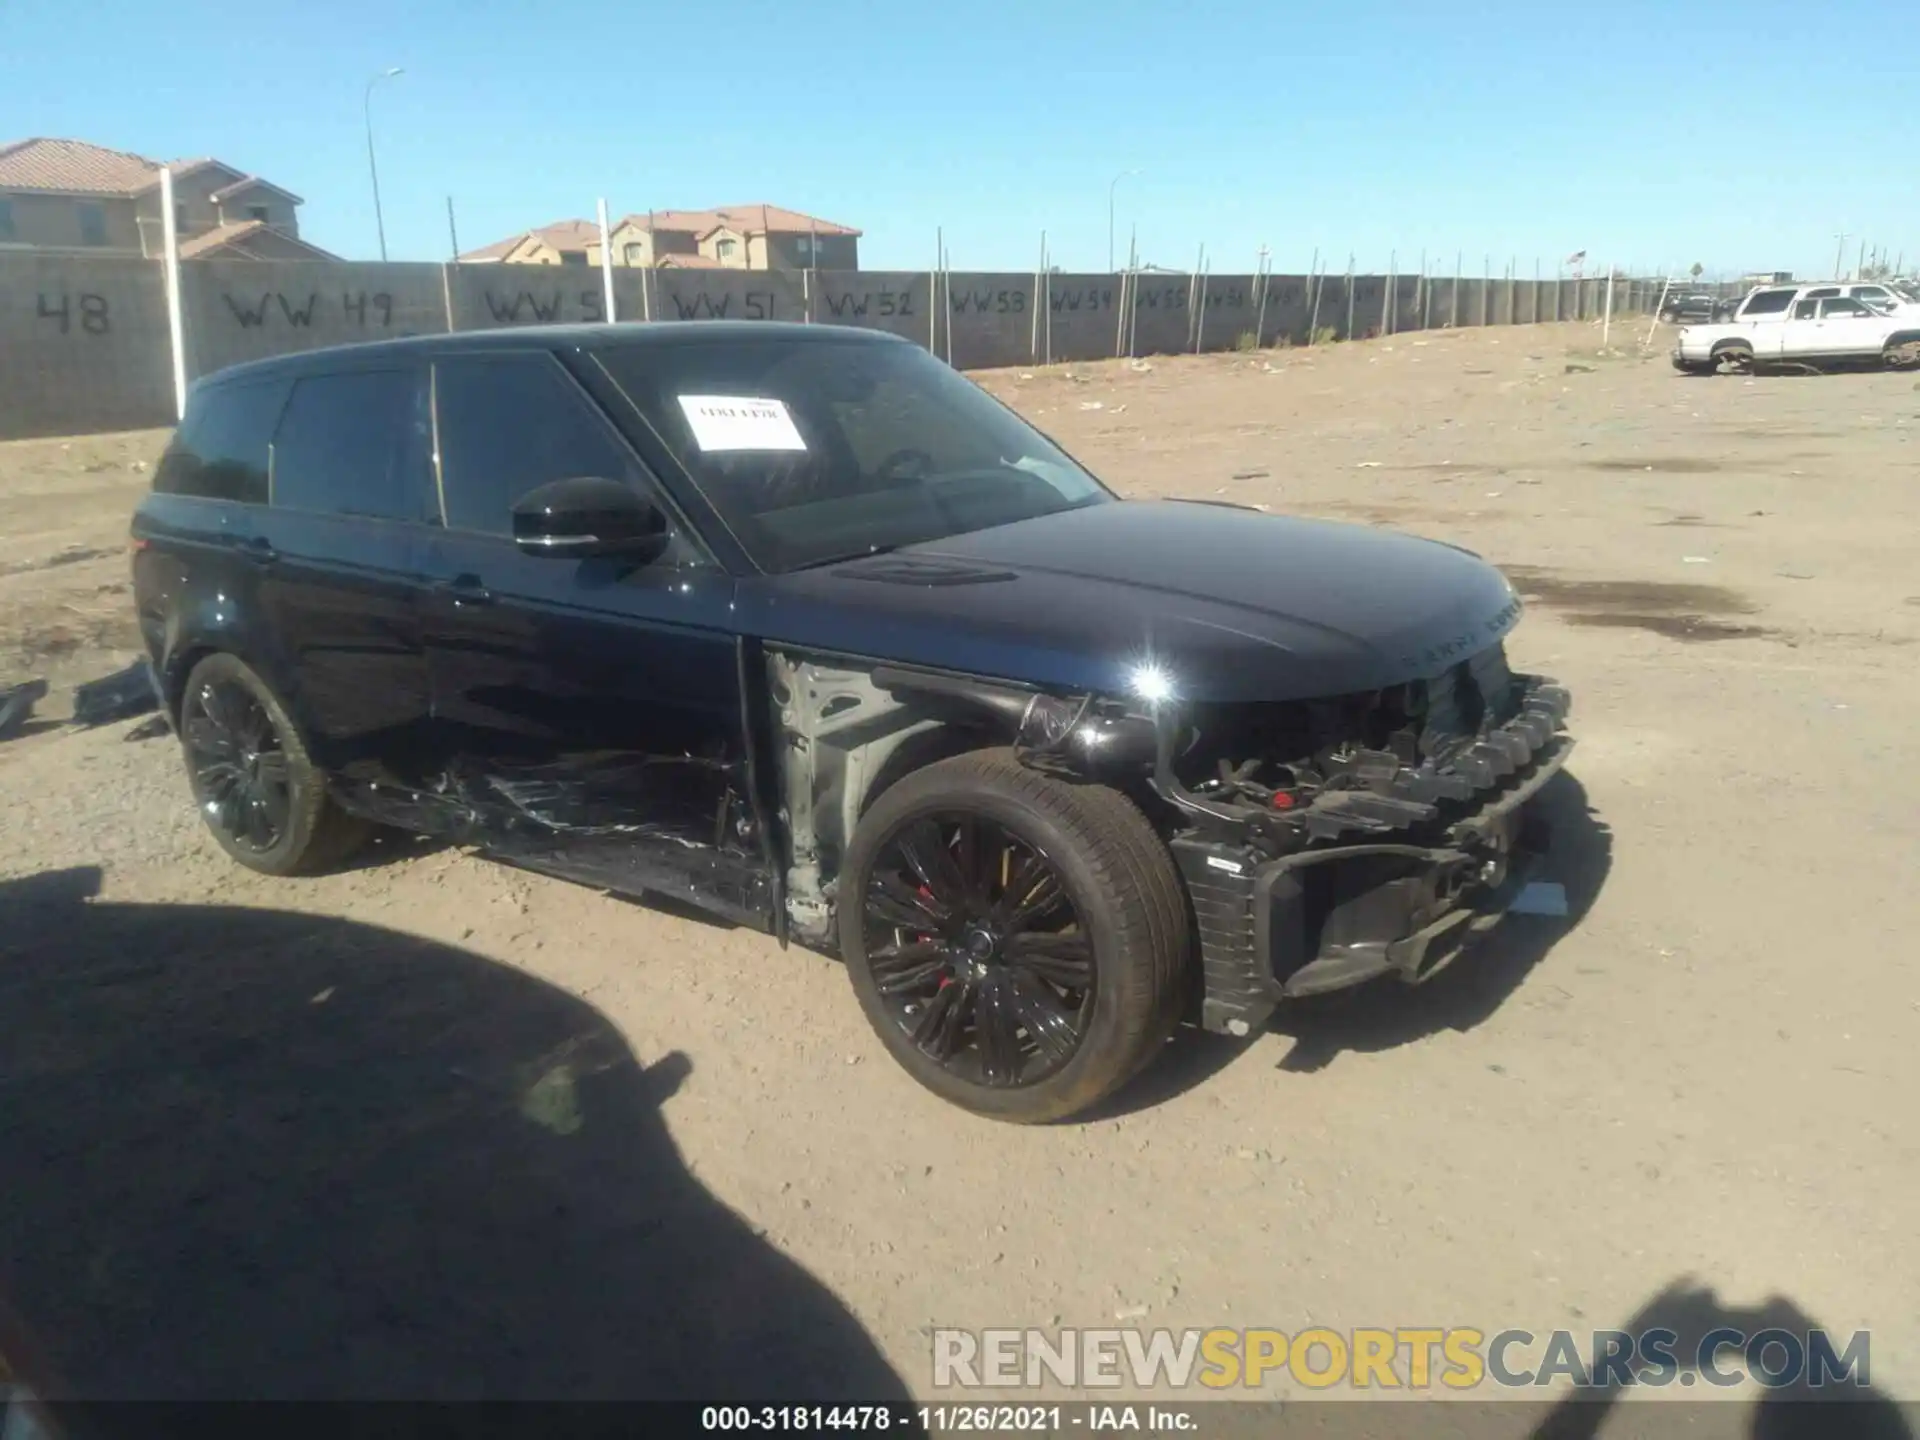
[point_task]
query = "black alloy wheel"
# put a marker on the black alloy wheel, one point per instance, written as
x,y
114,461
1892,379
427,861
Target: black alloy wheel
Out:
x,y
261,796
1020,943
977,947
238,767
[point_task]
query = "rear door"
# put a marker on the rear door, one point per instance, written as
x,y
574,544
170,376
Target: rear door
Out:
x,y
338,555
1849,329
589,710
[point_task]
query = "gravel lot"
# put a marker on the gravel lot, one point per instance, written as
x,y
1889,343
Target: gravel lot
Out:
x,y
436,1126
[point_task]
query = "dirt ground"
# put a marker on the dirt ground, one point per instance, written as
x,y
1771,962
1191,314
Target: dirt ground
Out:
x,y
438,1126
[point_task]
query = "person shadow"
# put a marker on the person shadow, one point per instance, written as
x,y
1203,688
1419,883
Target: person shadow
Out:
x,y
1840,1409
265,1156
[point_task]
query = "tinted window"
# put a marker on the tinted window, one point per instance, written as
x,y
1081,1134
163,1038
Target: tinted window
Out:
x,y
819,449
6,218
1805,309
93,222
356,443
220,450
1843,306
1769,302
1823,294
510,423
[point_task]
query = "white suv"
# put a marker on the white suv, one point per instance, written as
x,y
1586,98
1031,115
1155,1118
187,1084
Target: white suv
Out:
x,y
1809,324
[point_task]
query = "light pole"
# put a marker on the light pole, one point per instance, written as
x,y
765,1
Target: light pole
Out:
x,y
1110,191
373,170
1840,256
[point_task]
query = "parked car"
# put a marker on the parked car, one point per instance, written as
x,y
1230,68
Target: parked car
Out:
x,y
1807,324
1679,309
797,625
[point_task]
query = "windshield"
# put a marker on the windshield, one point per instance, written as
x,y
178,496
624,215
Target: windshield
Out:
x,y
815,449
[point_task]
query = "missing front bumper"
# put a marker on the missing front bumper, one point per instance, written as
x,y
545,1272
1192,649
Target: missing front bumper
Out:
x,y
1330,918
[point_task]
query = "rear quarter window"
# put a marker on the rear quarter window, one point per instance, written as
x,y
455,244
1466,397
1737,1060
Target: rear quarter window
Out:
x,y
221,450
357,442
1769,302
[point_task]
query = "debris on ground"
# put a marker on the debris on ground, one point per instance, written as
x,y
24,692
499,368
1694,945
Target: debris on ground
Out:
x,y
1540,897
152,728
16,705
1092,405
119,696
1575,368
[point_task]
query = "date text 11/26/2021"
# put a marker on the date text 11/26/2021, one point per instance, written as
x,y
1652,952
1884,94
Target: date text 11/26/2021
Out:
x,y
950,1419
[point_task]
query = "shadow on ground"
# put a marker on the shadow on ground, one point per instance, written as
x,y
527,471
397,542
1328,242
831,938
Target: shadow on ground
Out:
x,y
1386,1013
1797,1410
261,1155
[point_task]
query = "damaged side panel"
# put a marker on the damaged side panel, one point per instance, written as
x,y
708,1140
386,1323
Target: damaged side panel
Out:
x,y
835,731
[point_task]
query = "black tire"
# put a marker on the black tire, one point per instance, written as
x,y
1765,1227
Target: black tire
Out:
x,y
1696,367
257,790
1129,915
1902,353
1738,358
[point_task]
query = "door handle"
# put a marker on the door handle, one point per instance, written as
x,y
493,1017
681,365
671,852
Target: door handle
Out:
x,y
465,590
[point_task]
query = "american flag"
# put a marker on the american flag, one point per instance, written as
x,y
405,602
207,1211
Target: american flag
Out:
x,y
1576,257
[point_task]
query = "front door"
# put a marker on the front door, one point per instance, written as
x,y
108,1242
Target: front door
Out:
x,y
336,553
587,713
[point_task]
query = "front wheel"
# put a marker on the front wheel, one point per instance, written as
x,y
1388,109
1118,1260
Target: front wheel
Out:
x,y
258,791
1019,943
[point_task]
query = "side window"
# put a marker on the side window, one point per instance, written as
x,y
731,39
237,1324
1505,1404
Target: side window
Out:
x,y
510,423
1873,294
1805,309
357,443
220,450
1824,293
1769,302
1842,307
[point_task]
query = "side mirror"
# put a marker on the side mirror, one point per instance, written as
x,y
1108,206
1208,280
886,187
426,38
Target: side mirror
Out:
x,y
576,519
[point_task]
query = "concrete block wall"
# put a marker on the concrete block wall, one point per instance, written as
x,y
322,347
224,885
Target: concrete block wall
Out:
x,y
84,342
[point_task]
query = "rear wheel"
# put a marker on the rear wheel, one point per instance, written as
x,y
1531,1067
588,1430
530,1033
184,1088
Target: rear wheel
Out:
x,y
1902,352
256,788
1018,943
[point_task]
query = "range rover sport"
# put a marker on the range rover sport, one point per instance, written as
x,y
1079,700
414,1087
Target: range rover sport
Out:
x,y
797,625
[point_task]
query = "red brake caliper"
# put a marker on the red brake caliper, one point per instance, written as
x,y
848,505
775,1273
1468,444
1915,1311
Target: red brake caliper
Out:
x,y
945,980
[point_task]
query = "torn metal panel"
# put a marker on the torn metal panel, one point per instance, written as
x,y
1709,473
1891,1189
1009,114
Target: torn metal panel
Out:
x,y
16,705
572,821
119,696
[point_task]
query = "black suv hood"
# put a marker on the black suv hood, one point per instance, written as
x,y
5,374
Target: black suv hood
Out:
x,y
1231,604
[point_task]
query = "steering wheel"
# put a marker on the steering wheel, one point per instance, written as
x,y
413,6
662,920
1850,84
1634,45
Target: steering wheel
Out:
x,y
890,468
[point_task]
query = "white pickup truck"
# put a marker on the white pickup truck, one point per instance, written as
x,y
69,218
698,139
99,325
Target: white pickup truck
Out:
x,y
1804,324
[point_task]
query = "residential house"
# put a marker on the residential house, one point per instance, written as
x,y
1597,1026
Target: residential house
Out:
x,y
733,237
68,195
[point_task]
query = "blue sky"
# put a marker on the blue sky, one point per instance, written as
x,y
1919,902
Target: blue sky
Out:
x,y
1643,132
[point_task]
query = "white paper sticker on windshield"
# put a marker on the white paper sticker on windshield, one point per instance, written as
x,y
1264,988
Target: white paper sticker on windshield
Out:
x,y
740,422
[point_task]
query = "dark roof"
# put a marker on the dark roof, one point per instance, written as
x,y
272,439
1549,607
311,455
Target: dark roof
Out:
x,y
560,337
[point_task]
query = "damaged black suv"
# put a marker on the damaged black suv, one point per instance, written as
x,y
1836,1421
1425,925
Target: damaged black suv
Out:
x,y
799,626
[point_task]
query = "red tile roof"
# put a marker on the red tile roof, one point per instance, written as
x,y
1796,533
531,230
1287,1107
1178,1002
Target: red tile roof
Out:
x,y
692,262
72,167
233,239
747,219
250,182
561,235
